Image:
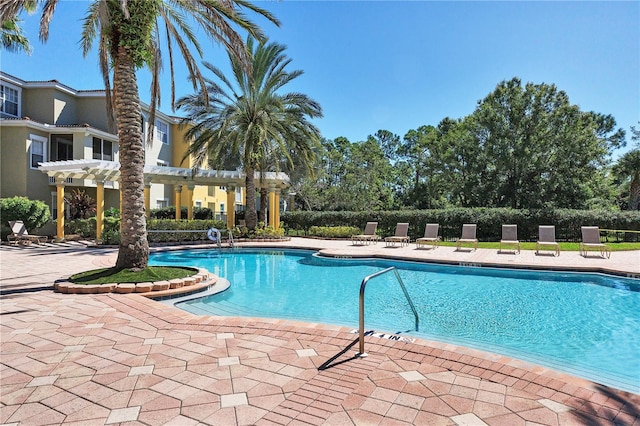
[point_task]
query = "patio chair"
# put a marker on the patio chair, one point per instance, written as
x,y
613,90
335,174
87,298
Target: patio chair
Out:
x,y
400,236
369,235
19,234
547,237
509,237
591,240
468,236
430,236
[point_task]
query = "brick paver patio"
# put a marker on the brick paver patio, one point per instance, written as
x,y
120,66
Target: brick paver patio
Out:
x,y
124,359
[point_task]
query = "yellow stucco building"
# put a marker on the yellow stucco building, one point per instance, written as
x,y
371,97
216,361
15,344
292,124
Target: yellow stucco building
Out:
x,y
54,138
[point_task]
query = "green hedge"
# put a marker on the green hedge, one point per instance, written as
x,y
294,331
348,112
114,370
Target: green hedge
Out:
x,y
489,221
199,213
178,225
34,213
333,231
87,227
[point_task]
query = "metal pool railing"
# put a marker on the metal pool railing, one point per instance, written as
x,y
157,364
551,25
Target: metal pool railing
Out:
x,y
363,285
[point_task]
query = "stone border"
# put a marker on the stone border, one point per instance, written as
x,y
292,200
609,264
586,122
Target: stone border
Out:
x,y
150,289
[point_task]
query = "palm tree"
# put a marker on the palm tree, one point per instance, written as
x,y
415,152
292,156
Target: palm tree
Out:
x,y
251,120
129,37
628,166
11,37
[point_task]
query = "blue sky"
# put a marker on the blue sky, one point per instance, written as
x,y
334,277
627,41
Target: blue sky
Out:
x,y
398,65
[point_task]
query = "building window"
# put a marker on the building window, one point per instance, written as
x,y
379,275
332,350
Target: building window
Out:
x,y
162,203
9,101
221,207
162,132
54,205
211,191
198,203
61,147
37,150
102,150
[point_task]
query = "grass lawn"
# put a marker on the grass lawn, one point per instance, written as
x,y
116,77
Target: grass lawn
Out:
x,y
532,246
113,275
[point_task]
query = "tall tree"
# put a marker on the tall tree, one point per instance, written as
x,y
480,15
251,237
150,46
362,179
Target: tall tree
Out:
x,y
540,149
129,38
250,119
627,169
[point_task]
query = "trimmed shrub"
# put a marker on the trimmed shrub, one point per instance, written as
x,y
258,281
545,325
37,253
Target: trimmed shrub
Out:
x,y
334,231
34,213
489,221
180,225
86,228
199,213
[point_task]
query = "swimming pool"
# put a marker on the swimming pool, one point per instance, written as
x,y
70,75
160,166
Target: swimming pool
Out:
x,y
583,324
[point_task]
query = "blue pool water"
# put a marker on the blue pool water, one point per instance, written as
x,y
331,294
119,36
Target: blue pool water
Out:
x,y
584,324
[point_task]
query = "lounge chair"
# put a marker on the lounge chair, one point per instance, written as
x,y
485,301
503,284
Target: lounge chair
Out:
x,y
547,237
400,236
468,236
509,237
591,240
19,234
369,235
430,236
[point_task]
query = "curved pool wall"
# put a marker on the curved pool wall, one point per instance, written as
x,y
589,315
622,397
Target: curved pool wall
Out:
x,y
585,324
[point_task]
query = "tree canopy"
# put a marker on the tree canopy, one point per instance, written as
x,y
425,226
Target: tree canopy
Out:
x,y
249,119
524,146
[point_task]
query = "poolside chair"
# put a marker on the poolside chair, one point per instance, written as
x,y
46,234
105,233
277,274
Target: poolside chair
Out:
x,y
19,234
547,237
509,237
430,236
591,240
369,235
400,236
468,236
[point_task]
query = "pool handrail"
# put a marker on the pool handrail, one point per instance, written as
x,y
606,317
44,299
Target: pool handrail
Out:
x,y
361,353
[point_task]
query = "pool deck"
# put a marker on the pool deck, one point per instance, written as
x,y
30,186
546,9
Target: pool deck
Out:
x,y
124,359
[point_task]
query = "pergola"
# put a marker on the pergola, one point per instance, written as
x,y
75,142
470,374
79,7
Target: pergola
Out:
x,y
183,180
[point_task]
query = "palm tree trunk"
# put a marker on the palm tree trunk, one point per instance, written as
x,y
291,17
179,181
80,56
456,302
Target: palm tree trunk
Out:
x,y
264,200
250,186
133,252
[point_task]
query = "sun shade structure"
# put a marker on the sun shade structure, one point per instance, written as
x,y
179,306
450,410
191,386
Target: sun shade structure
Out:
x,y
100,172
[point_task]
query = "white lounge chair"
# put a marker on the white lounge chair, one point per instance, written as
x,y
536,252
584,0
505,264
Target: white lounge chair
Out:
x,y
369,235
509,237
19,234
547,238
468,236
400,236
430,236
591,240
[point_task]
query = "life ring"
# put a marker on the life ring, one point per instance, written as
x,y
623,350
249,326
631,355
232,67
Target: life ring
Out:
x,y
213,234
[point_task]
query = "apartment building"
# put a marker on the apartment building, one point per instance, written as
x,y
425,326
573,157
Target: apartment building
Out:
x,y
54,138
